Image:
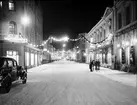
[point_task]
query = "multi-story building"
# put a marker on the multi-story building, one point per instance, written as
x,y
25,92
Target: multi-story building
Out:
x,y
80,48
21,31
48,51
125,28
100,43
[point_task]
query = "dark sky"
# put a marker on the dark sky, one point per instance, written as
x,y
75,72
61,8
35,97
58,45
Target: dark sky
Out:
x,y
71,17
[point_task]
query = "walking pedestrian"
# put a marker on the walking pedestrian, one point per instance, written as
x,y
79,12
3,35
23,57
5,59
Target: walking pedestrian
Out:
x,y
91,66
96,65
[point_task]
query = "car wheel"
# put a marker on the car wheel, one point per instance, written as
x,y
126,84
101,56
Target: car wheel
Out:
x,y
24,79
7,86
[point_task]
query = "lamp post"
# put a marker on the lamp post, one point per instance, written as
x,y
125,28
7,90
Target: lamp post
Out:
x,y
25,21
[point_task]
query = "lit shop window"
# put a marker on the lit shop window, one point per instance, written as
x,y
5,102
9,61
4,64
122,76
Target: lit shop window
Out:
x,y
32,59
11,5
36,59
13,54
0,4
27,58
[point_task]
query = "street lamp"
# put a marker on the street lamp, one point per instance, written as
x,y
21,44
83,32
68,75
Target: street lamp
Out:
x,y
64,45
25,20
65,38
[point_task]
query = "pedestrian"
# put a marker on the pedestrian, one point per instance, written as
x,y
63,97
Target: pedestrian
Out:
x,y
90,65
93,63
96,65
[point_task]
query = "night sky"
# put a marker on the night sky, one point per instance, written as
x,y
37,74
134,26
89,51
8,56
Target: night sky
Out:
x,y
71,17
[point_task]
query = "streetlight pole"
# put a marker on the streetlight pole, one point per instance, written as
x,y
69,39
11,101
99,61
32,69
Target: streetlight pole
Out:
x,y
25,20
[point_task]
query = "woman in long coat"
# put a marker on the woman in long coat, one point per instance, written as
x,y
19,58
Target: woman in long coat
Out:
x,y
91,65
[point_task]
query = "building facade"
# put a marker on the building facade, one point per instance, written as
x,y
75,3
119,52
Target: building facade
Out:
x,y
21,31
80,48
125,27
100,40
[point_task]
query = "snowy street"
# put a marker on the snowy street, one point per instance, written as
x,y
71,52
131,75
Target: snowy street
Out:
x,y
68,83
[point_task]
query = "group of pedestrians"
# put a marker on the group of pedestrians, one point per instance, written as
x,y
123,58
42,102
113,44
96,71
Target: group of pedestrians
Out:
x,y
94,65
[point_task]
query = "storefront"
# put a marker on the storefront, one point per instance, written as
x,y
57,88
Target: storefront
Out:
x,y
24,54
126,47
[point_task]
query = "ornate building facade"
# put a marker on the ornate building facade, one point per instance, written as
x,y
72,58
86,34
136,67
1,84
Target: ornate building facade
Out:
x,y
125,27
100,37
21,31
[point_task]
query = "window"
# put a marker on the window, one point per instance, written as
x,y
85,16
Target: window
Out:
x,y
13,54
5,63
119,20
132,55
123,56
15,64
27,58
12,27
128,15
110,23
36,59
10,63
0,4
11,5
136,10
104,34
32,59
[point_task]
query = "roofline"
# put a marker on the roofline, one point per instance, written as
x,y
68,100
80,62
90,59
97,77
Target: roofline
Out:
x,y
102,18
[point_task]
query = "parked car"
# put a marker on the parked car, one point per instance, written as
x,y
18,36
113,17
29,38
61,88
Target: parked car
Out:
x,y
11,72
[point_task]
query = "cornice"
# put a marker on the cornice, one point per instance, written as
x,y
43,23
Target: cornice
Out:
x,y
127,28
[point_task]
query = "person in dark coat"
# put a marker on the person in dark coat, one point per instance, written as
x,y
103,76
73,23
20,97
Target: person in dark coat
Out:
x,y
99,65
96,65
91,66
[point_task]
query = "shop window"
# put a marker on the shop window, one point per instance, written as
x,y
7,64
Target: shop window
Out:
x,y
123,56
12,28
32,59
132,55
11,5
27,58
36,59
13,54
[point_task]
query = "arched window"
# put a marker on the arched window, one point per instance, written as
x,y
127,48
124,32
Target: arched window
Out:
x,y
11,5
12,27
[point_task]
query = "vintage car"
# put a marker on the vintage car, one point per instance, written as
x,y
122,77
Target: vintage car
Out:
x,y
11,72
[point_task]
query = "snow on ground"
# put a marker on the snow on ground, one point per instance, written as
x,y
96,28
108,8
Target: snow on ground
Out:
x,y
68,83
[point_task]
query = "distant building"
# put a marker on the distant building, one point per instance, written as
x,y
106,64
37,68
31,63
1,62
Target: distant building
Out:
x,y
80,48
125,27
100,40
21,31
48,51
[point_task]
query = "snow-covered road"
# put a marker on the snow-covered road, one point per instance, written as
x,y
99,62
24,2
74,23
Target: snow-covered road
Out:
x,y
68,83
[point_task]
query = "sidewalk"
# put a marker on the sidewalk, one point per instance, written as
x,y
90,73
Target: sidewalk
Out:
x,y
119,76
